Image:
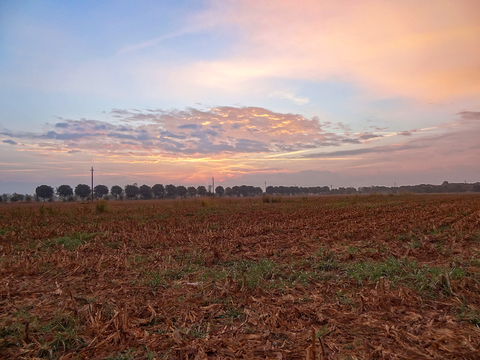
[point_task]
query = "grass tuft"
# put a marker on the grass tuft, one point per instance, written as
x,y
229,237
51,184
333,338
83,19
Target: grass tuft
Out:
x,y
70,242
101,207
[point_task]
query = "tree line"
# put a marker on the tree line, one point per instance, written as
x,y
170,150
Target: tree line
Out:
x,y
445,187
133,191
159,191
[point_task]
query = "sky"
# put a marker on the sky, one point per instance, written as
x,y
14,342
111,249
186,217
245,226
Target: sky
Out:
x,y
341,93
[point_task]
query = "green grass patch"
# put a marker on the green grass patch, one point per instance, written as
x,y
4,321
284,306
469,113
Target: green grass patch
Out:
x,y
261,273
326,261
469,315
352,250
70,242
424,279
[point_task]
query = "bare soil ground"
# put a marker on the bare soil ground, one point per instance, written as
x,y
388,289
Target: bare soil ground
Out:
x,y
372,277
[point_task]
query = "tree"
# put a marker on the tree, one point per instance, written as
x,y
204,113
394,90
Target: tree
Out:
x,y
192,192
236,190
16,197
145,192
181,191
219,190
325,189
170,190
116,191
244,190
158,191
100,191
83,191
228,191
132,191
201,190
258,191
44,191
64,191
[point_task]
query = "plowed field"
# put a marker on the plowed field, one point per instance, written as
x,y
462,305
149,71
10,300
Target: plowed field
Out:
x,y
370,277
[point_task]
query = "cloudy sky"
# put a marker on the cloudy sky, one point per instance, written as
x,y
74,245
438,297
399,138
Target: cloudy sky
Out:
x,y
342,93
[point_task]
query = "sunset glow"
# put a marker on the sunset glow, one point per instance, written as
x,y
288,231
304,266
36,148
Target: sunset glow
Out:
x,y
308,93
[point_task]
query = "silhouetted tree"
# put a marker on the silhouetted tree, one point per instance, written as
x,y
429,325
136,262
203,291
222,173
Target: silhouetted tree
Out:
x,y
201,190
64,191
228,191
44,192
16,197
181,191
132,191
145,192
219,190
236,190
83,191
244,190
158,191
116,191
100,191
170,190
192,192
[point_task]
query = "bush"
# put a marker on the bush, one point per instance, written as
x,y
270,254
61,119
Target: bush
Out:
x,y
271,199
101,207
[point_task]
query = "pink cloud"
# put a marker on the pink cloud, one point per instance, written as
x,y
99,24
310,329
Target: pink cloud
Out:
x,y
233,142
426,50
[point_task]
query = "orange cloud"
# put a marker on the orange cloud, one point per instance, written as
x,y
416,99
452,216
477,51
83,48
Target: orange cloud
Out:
x,y
427,50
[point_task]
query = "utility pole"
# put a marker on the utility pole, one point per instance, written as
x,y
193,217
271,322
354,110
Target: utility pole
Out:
x,y
92,182
265,187
213,186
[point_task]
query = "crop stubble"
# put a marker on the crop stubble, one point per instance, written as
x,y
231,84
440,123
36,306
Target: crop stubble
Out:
x,y
373,276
